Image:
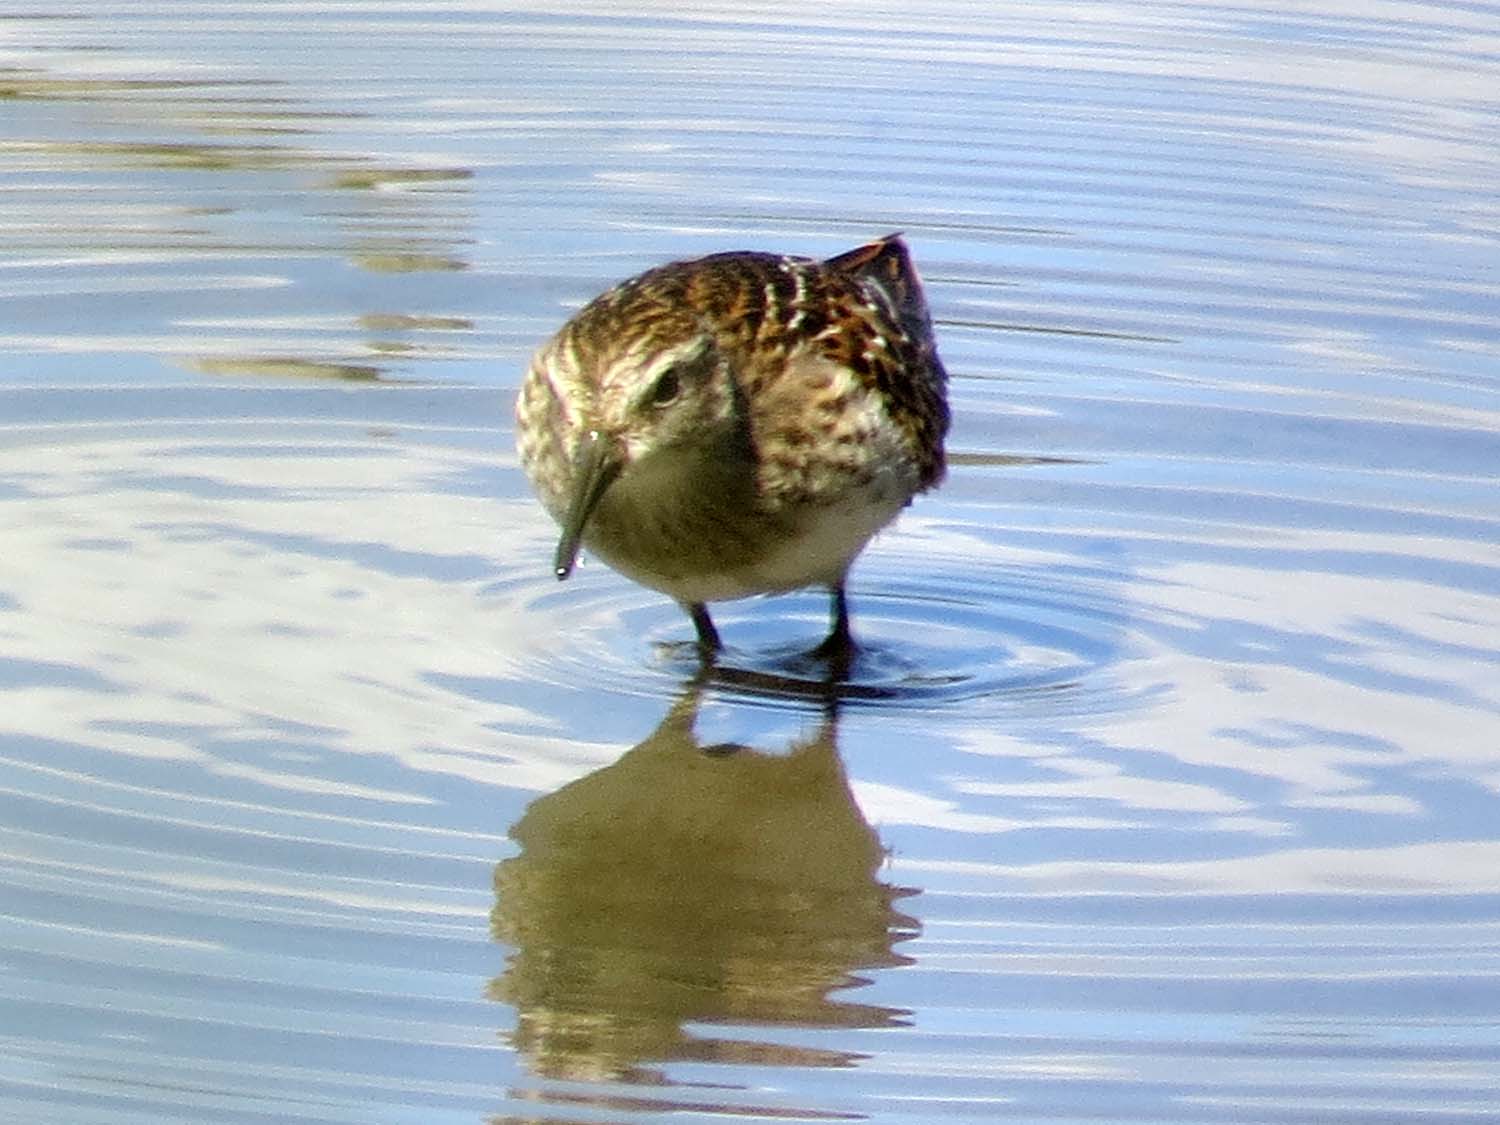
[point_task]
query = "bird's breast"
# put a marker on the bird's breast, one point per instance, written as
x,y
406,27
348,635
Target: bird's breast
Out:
x,y
698,545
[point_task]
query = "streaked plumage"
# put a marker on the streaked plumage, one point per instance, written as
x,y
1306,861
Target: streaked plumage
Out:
x,y
738,424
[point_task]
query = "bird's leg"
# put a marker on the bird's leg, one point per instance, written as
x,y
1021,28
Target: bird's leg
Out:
x,y
838,634
708,636
838,647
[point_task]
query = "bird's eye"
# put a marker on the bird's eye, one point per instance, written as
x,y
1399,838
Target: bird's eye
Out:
x,y
667,388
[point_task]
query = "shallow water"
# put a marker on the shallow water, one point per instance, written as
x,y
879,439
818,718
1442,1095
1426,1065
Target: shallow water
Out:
x,y
1165,787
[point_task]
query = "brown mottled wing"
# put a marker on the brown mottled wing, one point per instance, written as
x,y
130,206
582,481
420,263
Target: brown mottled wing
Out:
x,y
887,264
907,372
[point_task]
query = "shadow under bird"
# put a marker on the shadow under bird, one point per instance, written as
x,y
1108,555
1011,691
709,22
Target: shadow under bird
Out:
x,y
738,424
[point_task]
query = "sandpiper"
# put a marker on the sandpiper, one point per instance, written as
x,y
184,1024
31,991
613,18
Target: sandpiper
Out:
x,y
738,424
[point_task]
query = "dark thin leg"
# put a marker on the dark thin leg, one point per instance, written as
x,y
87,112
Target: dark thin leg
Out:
x,y
708,636
839,634
838,647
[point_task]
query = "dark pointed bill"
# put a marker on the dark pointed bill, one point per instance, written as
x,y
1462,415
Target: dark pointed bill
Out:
x,y
594,469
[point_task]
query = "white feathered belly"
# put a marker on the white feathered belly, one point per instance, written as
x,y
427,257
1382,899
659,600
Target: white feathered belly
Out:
x,y
818,552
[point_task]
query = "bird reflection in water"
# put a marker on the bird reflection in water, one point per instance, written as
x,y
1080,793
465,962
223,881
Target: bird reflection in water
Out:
x,y
692,883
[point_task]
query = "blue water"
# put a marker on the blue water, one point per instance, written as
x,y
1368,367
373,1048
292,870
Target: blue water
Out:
x,y
1165,788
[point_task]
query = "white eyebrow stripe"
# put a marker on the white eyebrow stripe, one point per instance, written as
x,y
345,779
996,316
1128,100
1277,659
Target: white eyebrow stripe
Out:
x,y
560,388
636,376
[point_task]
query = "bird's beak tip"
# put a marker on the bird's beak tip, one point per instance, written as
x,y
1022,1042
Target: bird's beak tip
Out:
x,y
595,469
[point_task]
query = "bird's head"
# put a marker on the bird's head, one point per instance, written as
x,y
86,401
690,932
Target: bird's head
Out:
x,y
626,406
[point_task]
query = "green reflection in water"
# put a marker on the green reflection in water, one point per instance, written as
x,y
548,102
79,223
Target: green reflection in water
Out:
x,y
206,197
692,883
395,261
374,179
18,84
286,367
184,156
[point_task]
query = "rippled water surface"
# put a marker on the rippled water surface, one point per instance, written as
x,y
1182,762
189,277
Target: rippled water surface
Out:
x,y
1165,787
